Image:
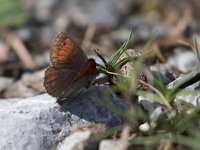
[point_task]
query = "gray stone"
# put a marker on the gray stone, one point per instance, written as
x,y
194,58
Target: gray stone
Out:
x,y
189,99
193,98
185,102
80,12
30,84
154,108
75,141
80,138
41,123
102,13
161,76
42,60
142,27
112,144
24,34
42,10
188,102
183,61
120,144
5,82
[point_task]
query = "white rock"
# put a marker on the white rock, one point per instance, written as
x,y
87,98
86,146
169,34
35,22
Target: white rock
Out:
x,y
75,141
40,123
192,98
5,82
112,144
183,61
29,85
144,127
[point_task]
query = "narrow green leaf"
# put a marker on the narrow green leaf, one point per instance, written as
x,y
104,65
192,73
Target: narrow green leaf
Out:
x,y
101,57
114,58
197,49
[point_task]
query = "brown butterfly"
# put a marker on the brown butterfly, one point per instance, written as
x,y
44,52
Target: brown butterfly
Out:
x,y
70,69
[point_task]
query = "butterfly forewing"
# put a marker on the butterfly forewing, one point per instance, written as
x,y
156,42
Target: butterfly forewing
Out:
x,y
65,53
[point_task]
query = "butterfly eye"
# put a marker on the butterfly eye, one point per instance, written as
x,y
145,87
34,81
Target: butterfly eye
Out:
x,y
63,43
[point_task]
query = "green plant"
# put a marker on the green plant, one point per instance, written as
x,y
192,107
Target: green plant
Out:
x,y
175,127
12,14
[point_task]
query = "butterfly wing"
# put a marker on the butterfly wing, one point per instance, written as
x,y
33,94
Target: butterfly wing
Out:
x,y
66,54
70,69
58,81
84,79
89,69
63,83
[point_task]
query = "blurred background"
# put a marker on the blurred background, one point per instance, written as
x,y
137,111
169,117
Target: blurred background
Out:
x,y
27,28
